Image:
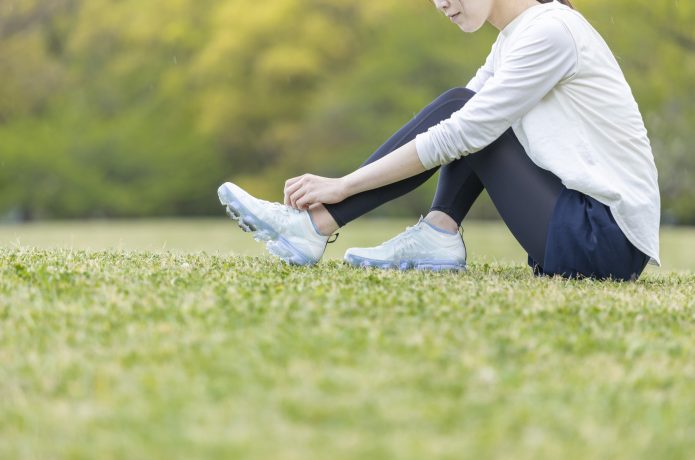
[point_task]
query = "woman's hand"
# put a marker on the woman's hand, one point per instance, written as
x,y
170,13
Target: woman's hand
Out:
x,y
303,191
308,189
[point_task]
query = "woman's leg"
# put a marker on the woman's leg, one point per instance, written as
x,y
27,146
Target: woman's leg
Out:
x,y
523,193
457,189
440,109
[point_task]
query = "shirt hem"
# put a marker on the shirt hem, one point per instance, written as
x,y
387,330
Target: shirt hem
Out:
x,y
653,259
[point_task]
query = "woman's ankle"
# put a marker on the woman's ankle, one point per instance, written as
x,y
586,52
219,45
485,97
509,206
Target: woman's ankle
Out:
x,y
323,221
442,220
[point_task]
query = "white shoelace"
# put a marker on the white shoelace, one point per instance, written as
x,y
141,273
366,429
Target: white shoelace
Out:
x,y
280,213
403,242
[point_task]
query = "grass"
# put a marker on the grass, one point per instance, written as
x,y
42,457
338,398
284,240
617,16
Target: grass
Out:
x,y
486,241
162,352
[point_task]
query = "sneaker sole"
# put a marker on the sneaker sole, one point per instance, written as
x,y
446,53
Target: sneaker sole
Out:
x,y
427,265
262,232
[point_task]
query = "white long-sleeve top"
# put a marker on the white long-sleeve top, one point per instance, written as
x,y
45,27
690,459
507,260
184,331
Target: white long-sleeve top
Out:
x,y
551,77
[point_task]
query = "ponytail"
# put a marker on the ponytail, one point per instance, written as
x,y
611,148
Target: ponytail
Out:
x,y
564,2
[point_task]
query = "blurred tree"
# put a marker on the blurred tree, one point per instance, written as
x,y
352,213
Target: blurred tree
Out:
x,y
125,108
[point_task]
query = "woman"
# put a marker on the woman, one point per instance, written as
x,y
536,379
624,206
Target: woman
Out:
x,y
548,126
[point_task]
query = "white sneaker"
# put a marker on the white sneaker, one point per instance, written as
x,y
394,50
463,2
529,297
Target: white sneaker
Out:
x,y
289,233
421,246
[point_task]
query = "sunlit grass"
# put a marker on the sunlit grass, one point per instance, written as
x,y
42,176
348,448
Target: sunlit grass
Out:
x,y
156,354
485,241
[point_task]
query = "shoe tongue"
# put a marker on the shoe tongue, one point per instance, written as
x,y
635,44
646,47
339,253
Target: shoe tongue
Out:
x,y
416,227
426,225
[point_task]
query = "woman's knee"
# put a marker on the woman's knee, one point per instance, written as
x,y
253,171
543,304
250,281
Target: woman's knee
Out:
x,y
447,103
460,93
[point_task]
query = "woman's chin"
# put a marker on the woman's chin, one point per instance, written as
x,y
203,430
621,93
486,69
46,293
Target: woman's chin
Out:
x,y
469,27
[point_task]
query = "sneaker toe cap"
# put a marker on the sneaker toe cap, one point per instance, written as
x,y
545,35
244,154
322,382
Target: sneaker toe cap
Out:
x,y
230,190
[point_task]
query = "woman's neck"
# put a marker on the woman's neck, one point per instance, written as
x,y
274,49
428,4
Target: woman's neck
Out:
x,y
505,11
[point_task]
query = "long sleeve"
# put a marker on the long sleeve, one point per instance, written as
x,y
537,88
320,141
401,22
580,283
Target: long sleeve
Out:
x,y
483,74
540,57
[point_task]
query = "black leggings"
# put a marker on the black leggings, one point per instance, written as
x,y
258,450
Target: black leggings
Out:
x,y
524,194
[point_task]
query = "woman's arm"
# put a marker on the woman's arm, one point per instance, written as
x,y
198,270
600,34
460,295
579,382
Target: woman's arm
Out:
x,y
542,56
303,191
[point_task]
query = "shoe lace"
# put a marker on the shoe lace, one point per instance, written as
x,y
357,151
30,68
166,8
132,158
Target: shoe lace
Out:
x,y
284,212
403,242
281,209
280,212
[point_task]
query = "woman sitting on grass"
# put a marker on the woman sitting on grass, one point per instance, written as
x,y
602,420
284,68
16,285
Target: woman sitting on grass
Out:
x,y
548,126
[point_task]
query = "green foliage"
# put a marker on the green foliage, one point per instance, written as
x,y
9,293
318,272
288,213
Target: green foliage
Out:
x,y
142,355
125,108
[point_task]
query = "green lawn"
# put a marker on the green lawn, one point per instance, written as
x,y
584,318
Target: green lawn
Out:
x,y
125,341
485,241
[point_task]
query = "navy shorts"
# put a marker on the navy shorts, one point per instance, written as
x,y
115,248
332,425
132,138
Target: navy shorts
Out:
x,y
584,241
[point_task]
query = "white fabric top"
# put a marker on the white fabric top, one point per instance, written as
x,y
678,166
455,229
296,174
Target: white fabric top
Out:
x,y
552,78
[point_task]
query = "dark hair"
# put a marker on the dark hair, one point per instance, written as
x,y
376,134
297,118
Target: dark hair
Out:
x,y
564,2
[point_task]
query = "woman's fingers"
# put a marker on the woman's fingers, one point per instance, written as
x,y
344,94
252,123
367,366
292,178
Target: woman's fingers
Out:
x,y
304,202
291,186
296,196
292,181
293,194
299,188
308,189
